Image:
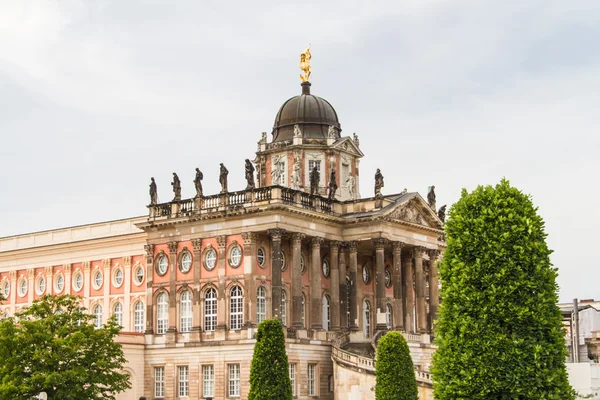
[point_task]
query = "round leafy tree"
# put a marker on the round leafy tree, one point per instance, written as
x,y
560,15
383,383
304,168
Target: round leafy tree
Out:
x,y
53,347
499,331
394,370
269,376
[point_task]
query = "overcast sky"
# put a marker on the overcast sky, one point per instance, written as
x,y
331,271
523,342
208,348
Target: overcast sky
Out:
x,y
96,96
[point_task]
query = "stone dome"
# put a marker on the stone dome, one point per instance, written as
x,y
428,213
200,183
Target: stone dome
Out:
x,y
313,114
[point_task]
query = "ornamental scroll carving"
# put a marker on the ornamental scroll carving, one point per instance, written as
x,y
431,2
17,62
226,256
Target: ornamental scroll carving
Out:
x,y
408,213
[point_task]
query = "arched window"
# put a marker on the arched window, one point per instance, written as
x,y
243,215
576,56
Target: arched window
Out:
x,y
185,311
303,311
210,310
366,319
388,316
283,308
118,313
326,317
138,317
162,313
236,309
261,304
98,315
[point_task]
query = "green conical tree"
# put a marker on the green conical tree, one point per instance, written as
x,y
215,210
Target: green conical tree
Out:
x,y
394,370
269,376
499,332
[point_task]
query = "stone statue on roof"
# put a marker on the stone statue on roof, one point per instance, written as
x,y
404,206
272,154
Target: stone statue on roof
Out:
x,y
315,178
153,192
431,197
223,178
249,175
332,185
198,182
378,183
176,187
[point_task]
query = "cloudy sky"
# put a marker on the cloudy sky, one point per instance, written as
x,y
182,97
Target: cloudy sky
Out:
x,y
96,96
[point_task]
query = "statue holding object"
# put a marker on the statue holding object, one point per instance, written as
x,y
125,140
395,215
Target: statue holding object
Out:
x,y
153,192
176,187
249,175
198,182
431,197
223,178
332,185
315,178
378,183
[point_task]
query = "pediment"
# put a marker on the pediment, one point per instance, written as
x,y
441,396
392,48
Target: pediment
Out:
x,y
415,210
347,144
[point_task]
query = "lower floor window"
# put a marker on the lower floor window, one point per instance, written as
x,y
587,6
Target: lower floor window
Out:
x,y
183,373
208,374
234,380
292,368
312,378
159,382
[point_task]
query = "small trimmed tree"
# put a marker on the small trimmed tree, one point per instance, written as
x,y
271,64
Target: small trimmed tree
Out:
x,y
269,374
53,347
499,332
394,370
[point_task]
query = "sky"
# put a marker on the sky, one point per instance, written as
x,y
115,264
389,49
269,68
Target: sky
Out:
x,y
97,96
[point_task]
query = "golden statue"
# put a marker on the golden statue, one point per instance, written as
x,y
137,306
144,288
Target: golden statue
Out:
x,y
305,64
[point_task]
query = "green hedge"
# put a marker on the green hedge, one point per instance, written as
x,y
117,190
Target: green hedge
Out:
x,y
394,370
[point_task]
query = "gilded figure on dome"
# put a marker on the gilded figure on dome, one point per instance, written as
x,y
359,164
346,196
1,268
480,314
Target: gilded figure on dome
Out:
x,y
305,64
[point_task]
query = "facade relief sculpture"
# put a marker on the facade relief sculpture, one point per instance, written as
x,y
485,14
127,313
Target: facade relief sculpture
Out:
x,y
153,192
378,183
351,185
249,169
176,187
278,170
198,182
223,178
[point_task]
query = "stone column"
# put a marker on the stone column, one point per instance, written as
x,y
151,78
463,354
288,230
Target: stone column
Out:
x,y
420,289
397,283
335,286
87,283
249,283
126,293
67,271
353,265
434,297
222,313
173,323
297,281
149,295
316,306
343,289
276,262
196,311
409,299
380,284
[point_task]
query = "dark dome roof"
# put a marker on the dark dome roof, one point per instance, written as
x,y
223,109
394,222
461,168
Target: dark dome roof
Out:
x,y
313,114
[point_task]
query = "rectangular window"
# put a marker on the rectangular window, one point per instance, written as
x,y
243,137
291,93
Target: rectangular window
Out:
x,y
234,380
208,374
312,379
159,382
183,374
292,369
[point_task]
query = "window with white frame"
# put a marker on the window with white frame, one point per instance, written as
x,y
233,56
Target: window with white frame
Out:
x,y
185,312
22,287
260,256
261,304
40,285
162,313
139,275
159,382
312,379
388,316
183,381
283,308
234,380
97,282
292,370
366,319
208,378
236,309
210,310
59,283
98,314
118,277
78,281
118,313
5,289
325,313
138,317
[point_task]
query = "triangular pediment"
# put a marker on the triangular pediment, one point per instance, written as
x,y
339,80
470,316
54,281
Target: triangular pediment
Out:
x,y
415,210
347,144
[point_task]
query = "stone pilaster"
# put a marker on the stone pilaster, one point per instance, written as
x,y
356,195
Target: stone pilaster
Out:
x,y
276,262
380,298
420,289
434,297
67,273
127,294
249,283
106,283
196,311
31,284
87,283
353,265
173,323
397,283
343,288
149,248
297,280
409,298
221,298
334,248
13,290
49,281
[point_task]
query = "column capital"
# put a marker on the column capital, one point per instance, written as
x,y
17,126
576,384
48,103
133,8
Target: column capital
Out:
x,y
275,233
127,261
316,241
433,254
106,263
172,247
86,266
149,249
418,251
30,273
67,268
249,238
48,270
197,244
334,244
352,246
221,241
297,237
397,245
12,275
379,243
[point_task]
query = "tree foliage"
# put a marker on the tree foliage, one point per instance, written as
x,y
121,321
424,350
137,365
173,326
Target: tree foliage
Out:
x,y
499,332
394,370
53,347
269,375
